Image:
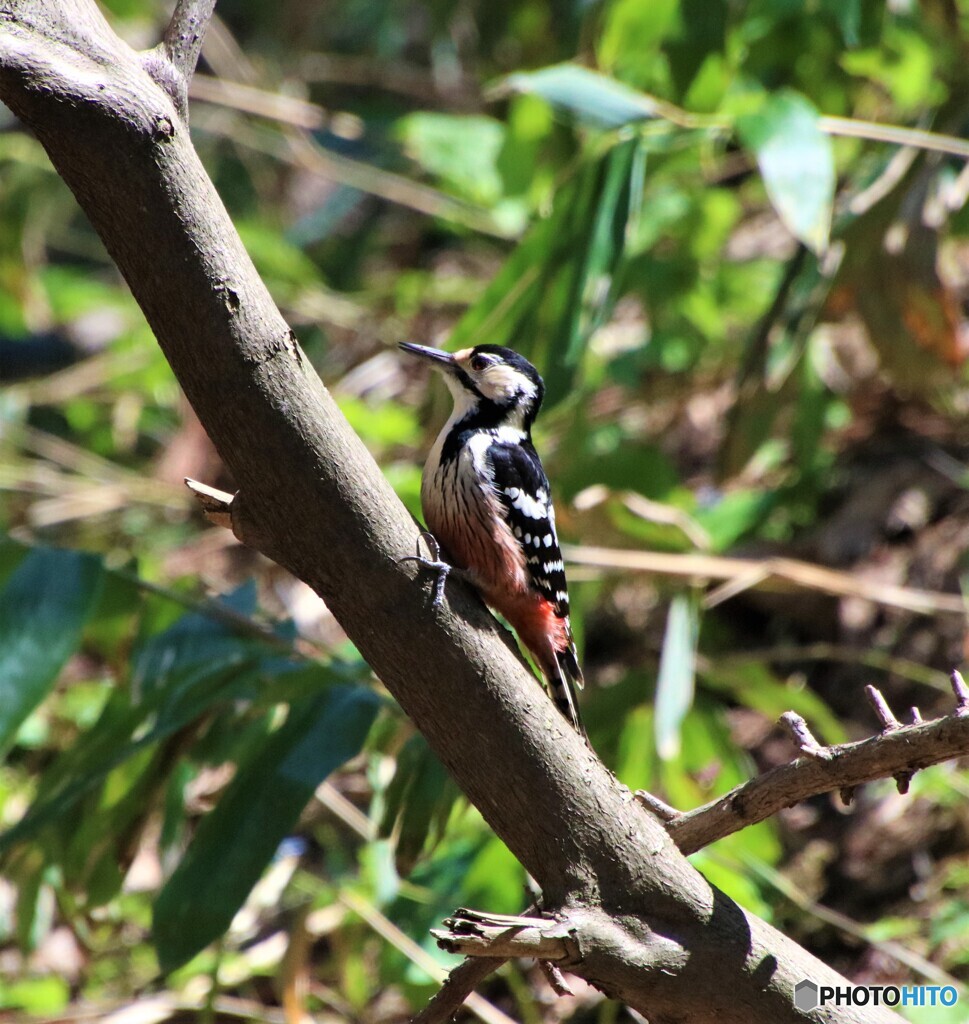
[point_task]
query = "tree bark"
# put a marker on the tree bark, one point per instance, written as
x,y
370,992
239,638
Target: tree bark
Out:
x,y
649,930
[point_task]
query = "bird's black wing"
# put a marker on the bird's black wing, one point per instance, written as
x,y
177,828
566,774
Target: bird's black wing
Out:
x,y
522,488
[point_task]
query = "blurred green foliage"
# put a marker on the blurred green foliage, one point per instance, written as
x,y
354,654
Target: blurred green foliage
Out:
x,y
656,203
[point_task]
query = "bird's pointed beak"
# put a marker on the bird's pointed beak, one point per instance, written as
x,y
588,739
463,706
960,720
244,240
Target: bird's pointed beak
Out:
x,y
442,360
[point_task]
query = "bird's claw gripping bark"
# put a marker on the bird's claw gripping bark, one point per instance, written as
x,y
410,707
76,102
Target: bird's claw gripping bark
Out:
x,y
435,563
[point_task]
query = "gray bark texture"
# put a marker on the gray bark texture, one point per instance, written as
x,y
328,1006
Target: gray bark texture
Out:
x,y
649,929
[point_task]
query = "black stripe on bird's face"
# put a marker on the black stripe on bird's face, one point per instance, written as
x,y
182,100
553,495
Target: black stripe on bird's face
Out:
x,y
488,380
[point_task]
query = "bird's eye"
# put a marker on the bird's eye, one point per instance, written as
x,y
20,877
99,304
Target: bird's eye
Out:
x,y
479,363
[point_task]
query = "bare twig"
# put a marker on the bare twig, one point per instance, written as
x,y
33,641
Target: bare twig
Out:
x,y
555,978
776,574
896,753
453,93
250,99
832,125
890,723
216,505
228,511
864,657
457,988
915,137
472,933
660,808
804,738
477,1004
183,37
886,717
961,691
172,63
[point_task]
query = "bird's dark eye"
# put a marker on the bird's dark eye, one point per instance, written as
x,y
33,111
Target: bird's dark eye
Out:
x,y
478,363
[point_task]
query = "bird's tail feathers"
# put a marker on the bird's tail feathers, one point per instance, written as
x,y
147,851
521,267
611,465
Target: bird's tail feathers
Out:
x,y
564,684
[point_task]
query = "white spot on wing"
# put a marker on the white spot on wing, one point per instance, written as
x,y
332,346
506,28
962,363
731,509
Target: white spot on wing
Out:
x,y
534,507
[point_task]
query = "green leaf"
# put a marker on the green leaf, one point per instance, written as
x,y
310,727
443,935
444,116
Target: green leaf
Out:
x,y
734,515
39,995
559,285
796,160
43,609
753,684
236,841
633,34
196,664
122,731
677,666
418,802
460,150
769,377
593,99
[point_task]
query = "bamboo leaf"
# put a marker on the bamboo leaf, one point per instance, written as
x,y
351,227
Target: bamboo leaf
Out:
x,y
796,160
43,609
677,668
236,841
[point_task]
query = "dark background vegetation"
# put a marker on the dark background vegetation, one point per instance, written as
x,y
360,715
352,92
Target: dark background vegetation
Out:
x,y
726,376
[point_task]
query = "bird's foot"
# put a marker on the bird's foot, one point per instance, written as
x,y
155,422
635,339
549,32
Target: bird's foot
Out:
x,y
435,563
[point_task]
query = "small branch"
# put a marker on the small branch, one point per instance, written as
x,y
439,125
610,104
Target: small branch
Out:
x,y
183,37
460,984
470,933
216,505
779,575
171,64
897,752
961,690
886,718
890,723
659,808
229,511
804,738
555,978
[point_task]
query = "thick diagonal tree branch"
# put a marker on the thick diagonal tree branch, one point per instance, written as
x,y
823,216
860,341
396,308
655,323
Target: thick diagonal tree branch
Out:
x,y
649,929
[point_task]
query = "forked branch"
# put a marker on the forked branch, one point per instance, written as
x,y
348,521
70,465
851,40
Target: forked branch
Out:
x,y
172,64
183,37
897,752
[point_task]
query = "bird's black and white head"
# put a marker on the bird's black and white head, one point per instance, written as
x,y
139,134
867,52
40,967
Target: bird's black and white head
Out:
x,y
489,383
